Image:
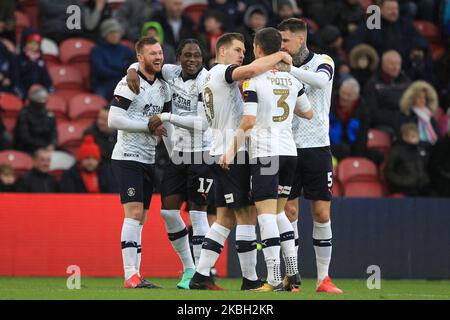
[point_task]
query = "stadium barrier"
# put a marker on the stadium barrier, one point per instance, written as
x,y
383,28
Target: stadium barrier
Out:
x,y
43,234
407,238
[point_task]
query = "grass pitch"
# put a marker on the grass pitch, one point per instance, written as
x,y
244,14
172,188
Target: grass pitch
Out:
x,y
111,289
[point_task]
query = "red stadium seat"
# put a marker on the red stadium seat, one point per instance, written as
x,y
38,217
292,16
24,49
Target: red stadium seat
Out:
x,y
368,189
66,77
50,50
57,105
10,124
432,33
357,169
379,140
75,50
68,94
85,106
22,22
365,4
70,135
10,104
20,161
31,9
195,11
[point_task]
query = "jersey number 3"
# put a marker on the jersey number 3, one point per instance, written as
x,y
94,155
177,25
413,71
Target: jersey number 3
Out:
x,y
281,103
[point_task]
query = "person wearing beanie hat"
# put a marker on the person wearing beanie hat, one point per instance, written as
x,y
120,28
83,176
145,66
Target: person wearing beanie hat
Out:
x,y
36,126
109,59
154,29
32,68
88,175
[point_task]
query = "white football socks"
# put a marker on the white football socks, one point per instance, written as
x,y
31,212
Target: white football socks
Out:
x,y
178,236
200,227
322,241
212,247
287,241
270,238
129,240
246,249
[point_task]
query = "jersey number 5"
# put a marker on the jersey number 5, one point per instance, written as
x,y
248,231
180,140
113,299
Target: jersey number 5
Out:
x,y
209,102
281,103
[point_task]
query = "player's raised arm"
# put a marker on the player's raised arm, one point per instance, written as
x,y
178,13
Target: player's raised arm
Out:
x,y
317,79
260,65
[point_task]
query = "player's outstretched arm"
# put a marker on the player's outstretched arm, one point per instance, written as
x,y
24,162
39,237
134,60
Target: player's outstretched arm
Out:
x,y
318,79
303,107
188,122
119,120
260,65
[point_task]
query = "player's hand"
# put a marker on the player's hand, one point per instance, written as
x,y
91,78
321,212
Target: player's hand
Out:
x,y
286,58
153,123
223,162
160,131
283,67
133,81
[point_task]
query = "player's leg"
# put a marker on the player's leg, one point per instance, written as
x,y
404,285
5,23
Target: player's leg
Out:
x,y
317,188
173,193
246,246
265,193
200,184
292,280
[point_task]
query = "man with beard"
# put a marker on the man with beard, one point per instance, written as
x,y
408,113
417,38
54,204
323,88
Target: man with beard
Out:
x,y
187,176
314,167
133,156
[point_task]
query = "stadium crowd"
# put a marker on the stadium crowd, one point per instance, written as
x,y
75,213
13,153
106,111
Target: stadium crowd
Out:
x,y
391,87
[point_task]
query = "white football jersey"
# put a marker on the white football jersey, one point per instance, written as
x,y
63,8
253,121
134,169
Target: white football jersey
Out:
x,y
185,102
139,146
223,105
315,132
272,97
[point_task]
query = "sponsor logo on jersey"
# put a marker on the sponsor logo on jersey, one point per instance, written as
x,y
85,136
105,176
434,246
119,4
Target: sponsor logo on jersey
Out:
x,y
131,192
131,155
229,198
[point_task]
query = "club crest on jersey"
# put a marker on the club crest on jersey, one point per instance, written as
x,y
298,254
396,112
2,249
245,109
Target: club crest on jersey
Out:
x,y
245,84
131,192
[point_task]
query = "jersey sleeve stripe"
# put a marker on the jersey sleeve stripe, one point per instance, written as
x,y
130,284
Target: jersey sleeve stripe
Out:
x,y
121,102
229,73
302,91
250,96
167,107
325,67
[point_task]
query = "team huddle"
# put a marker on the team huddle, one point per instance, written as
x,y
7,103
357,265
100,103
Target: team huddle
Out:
x,y
248,153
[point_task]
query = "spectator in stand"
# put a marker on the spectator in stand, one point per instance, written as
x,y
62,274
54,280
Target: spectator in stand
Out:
x,y
418,9
349,123
229,8
8,20
32,67
175,23
39,180
442,73
396,32
109,59
7,178
104,136
96,11
439,166
347,16
153,29
5,137
331,44
406,170
255,19
418,105
364,62
132,15
383,91
9,76
36,127
285,10
88,175
214,29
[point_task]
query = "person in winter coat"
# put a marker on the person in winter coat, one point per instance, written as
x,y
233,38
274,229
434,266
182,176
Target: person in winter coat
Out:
x,y
8,181
36,126
9,73
39,180
153,29
109,60
32,67
132,15
88,175
364,61
383,91
406,170
418,105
